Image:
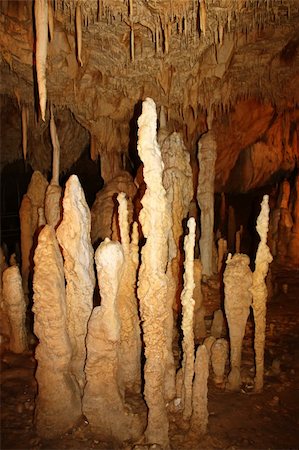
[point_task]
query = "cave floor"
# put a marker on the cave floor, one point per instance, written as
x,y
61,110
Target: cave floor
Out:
x,y
269,420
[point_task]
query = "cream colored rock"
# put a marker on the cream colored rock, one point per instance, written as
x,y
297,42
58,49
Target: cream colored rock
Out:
x,y
207,153
200,415
219,357
58,403
4,320
36,192
53,205
41,217
217,324
130,339
73,235
238,298
187,320
15,307
155,219
259,292
208,343
105,206
103,404
199,308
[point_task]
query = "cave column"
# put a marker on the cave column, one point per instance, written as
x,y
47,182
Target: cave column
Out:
x,y
207,153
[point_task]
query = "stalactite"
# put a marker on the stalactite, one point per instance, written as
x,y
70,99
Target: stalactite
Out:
x,y
79,32
25,120
132,46
187,321
203,16
41,25
51,20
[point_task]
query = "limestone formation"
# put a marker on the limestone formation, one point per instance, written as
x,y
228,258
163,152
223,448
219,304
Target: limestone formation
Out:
x,y
208,343
199,308
36,192
219,357
207,152
26,239
187,321
58,403
237,283
73,235
105,206
130,339
103,404
15,308
155,219
259,292
217,324
199,419
222,251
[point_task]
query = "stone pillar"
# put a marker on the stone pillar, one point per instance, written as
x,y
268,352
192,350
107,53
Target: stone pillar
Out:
x,y
73,235
199,308
207,153
155,219
26,239
217,324
103,404
15,308
58,403
219,356
237,283
187,321
259,292
130,339
199,419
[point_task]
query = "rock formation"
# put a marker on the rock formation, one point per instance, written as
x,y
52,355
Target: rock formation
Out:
x,y
73,235
15,308
217,324
207,152
200,415
103,404
219,356
58,403
199,308
237,283
155,219
259,292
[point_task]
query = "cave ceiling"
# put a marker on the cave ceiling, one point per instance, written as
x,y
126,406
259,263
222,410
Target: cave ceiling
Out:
x,y
229,65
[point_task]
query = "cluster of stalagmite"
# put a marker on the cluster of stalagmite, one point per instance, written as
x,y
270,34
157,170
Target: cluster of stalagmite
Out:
x,y
237,284
259,292
207,153
58,403
73,235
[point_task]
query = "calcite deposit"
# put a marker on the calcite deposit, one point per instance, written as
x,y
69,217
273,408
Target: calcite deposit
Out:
x,y
73,235
238,298
199,308
219,357
199,419
58,403
103,402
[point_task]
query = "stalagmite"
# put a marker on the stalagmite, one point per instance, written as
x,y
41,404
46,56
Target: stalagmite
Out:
x,y
25,119
58,403
79,32
130,340
187,321
237,283
41,26
36,192
217,324
199,419
103,404
53,193
219,356
199,308
155,219
259,292
207,152
73,235
15,307
41,217
26,239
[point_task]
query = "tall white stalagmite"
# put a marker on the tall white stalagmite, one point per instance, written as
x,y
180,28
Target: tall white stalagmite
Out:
x,y
187,321
259,292
130,340
41,26
237,283
15,308
73,235
200,415
58,403
207,153
155,219
103,403
53,193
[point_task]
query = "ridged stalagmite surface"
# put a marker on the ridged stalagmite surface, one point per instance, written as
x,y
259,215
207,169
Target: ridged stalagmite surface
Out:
x,y
15,308
207,153
58,403
36,192
260,293
219,355
73,235
103,403
237,283
130,339
187,321
152,284
199,419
